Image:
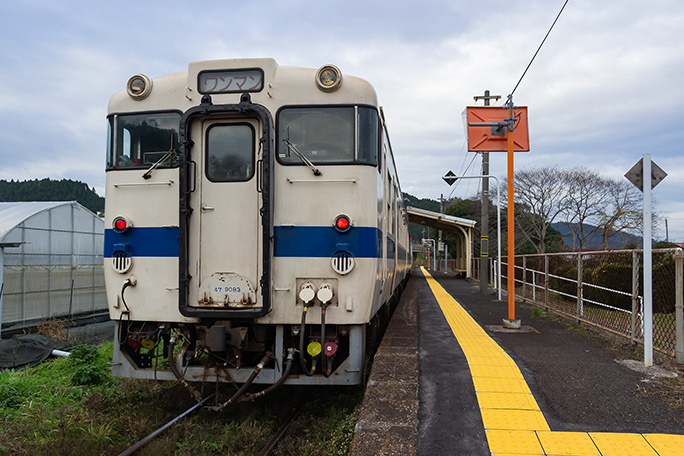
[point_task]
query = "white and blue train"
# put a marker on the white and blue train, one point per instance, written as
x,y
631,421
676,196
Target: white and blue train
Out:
x,y
255,227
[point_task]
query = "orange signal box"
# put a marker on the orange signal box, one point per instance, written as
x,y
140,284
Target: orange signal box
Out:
x,y
494,139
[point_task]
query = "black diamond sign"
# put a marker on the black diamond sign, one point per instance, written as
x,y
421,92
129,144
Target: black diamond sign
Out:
x,y
450,178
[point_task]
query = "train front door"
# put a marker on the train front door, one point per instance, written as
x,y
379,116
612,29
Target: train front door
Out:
x,y
225,240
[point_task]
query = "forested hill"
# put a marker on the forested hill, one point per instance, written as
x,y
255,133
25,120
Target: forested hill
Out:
x,y
51,190
421,203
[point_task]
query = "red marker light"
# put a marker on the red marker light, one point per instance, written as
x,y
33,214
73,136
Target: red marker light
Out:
x,y
121,224
342,223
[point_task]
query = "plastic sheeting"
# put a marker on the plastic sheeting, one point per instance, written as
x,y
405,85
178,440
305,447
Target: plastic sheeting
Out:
x,y
25,351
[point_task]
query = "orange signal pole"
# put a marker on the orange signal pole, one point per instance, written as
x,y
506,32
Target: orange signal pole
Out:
x,y
511,231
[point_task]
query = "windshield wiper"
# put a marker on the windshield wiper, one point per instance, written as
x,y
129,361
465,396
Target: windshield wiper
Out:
x,y
168,154
290,146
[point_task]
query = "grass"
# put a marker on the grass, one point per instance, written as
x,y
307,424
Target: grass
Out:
x,y
72,406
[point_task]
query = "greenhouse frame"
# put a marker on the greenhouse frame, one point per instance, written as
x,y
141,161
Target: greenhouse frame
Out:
x,y
51,263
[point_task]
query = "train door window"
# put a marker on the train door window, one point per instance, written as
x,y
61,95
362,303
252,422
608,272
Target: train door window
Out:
x,y
230,152
367,134
141,140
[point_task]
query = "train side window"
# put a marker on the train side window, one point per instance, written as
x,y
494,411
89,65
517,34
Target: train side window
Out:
x,y
140,140
230,152
368,136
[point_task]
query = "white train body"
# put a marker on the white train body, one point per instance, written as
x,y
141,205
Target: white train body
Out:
x,y
224,188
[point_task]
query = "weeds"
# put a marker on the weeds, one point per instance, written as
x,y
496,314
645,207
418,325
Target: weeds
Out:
x,y
72,406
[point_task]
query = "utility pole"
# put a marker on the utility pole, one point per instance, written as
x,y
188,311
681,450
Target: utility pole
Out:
x,y
667,232
484,220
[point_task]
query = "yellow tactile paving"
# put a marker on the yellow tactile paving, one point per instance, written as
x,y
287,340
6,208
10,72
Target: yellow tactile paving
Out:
x,y
495,371
514,420
479,360
615,444
514,425
567,443
502,385
513,442
666,444
498,400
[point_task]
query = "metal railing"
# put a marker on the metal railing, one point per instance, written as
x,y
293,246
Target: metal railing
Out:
x,y
602,288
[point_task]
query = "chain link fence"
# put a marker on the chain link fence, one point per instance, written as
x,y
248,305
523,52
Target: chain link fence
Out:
x,y
604,288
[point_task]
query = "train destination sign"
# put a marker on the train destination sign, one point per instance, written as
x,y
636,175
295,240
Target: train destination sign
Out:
x,y
231,81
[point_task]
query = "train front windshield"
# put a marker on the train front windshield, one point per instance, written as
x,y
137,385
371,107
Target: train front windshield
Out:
x,y
141,140
328,135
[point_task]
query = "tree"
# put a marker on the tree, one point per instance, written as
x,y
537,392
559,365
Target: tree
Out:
x,y
624,210
51,190
541,196
586,201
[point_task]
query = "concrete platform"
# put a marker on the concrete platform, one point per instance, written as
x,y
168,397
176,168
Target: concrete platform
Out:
x,y
437,385
388,423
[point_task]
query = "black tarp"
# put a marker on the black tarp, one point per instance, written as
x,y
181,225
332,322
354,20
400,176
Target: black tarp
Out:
x,y
26,350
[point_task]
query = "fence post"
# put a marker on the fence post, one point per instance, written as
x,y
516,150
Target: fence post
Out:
x,y
635,293
579,287
546,281
524,277
679,305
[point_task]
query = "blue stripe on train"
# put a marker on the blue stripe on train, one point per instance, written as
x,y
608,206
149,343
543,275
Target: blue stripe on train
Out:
x,y
324,241
299,241
144,241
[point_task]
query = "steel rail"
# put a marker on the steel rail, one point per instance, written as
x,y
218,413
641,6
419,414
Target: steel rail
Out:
x,y
266,450
134,449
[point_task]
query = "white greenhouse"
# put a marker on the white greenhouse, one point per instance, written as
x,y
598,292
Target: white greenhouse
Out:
x,y
51,257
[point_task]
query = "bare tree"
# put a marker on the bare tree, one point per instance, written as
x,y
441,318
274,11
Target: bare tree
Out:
x,y
542,193
586,203
623,211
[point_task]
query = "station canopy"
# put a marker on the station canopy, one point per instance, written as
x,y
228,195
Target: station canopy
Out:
x,y
460,227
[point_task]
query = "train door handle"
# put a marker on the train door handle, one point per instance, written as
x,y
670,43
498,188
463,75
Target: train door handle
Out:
x,y
206,208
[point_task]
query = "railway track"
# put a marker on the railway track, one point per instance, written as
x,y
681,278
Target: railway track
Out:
x,y
140,444
265,450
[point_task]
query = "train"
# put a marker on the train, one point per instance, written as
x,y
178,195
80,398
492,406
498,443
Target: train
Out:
x,y
255,230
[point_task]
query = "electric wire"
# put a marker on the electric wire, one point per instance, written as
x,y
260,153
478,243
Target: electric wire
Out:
x,y
538,49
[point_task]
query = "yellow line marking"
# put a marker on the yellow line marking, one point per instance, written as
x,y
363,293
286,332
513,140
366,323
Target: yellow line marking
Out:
x,y
513,422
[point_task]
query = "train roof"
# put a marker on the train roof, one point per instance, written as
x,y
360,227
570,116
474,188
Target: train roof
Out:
x,y
282,85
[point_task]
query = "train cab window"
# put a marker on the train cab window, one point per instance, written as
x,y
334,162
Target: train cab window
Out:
x,y
141,140
327,135
230,152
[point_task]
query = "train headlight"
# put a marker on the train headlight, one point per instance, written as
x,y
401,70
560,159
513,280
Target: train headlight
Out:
x,y
343,223
139,86
328,78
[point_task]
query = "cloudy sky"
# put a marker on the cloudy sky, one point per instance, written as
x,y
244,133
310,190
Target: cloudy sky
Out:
x,y
605,89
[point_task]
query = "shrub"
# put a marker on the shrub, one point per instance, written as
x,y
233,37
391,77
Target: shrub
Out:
x,y
88,368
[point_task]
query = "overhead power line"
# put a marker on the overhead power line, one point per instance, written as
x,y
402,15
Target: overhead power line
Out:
x,y
539,48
